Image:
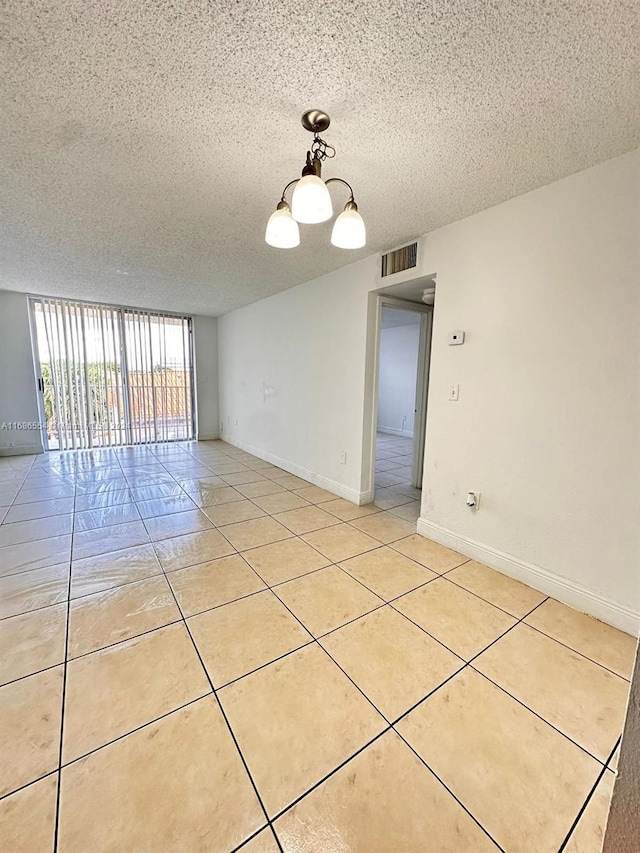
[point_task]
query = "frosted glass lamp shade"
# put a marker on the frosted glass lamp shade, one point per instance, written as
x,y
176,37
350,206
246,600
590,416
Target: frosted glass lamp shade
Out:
x,y
282,229
311,201
348,230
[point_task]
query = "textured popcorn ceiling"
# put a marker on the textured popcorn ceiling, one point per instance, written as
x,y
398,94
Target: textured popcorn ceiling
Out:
x,y
144,144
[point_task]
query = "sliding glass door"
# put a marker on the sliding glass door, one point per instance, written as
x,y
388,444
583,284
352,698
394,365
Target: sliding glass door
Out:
x,y
112,376
159,376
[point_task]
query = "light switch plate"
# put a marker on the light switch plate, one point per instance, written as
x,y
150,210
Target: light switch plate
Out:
x,y
456,339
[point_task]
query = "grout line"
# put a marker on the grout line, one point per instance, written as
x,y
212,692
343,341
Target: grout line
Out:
x,y
8,523
442,643
125,640
136,729
12,574
539,716
28,784
56,832
117,586
277,840
447,788
433,690
287,654
223,603
29,674
588,798
254,835
220,707
612,753
481,597
34,609
335,770
395,597
38,538
577,652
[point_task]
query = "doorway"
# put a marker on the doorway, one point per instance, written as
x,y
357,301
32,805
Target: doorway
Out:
x,y
110,376
399,355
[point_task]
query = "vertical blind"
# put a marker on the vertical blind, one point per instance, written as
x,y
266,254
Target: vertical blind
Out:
x,y
112,376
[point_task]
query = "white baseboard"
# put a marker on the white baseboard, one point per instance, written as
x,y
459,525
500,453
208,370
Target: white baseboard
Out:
x,y
391,431
366,497
21,450
563,589
338,489
214,436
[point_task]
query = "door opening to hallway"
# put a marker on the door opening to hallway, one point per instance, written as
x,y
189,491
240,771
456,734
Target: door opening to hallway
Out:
x,y
403,350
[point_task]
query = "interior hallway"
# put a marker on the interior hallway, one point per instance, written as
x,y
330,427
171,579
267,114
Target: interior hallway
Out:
x,y
204,652
393,488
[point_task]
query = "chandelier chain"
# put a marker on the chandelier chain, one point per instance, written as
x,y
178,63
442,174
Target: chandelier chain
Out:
x,y
320,149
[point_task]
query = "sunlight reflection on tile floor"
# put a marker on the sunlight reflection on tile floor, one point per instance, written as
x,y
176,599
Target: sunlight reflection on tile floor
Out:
x,y
202,652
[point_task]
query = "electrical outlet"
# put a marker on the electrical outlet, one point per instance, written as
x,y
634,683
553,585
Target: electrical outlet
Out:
x,y
454,392
343,457
473,501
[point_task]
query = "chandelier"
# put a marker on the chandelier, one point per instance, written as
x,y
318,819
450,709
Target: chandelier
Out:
x,y
310,200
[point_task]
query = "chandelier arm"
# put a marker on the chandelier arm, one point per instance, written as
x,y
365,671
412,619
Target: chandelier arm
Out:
x,y
341,181
290,184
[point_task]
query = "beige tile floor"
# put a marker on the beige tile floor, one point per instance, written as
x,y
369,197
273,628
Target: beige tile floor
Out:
x,y
202,652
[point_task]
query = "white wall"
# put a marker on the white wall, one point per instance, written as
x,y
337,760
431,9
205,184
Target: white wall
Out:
x,y
18,396
205,345
547,424
397,378
291,377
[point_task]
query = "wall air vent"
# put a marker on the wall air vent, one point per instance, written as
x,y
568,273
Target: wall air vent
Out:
x,y
401,259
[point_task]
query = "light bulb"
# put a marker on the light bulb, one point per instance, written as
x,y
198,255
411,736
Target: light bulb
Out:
x,y
311,201
282,229
349,231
